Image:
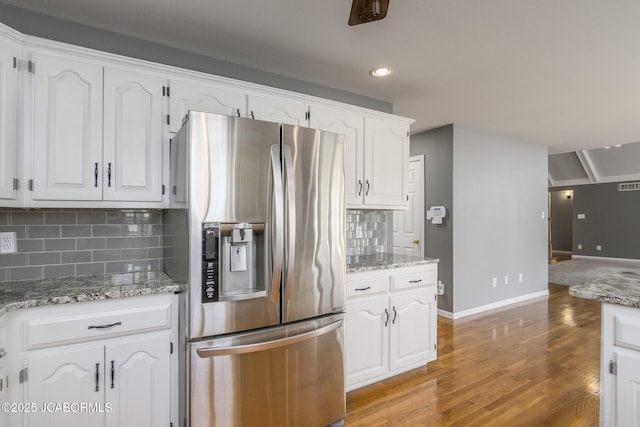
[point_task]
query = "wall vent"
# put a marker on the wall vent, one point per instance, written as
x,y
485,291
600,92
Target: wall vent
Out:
x,y
629,186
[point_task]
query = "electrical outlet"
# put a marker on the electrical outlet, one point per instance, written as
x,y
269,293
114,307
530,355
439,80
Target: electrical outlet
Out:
x,y
7,242
598,248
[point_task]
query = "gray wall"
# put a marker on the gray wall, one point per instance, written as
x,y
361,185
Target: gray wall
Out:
x,y
437,147
562,221
500,205
35,24
611,220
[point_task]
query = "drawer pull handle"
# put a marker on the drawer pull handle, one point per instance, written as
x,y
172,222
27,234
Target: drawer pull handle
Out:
x,y
97,377
363,289
112,373
111,325
386,320
395,315
415,281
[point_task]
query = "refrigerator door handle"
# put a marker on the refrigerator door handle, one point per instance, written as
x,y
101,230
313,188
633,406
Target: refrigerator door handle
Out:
x,y
267,345
291,219
279,222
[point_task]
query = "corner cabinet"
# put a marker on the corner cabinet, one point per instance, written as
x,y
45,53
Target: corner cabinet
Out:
x,y
620,366
377,155
112,360
391,324
9,54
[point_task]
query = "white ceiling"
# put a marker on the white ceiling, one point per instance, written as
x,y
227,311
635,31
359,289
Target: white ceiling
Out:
x,y
565,74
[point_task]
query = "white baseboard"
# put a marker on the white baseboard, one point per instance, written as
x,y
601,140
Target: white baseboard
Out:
x,y
493,306
605,258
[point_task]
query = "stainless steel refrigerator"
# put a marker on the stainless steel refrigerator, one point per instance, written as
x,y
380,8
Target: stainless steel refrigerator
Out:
x,y
256,228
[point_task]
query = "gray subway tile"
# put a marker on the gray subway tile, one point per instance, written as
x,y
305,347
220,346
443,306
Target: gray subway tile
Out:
x,y
30,245
60,218
106,255
74,257
3,275
27,218
44,231
155,252
133,254
120,242
135,229
157,230
92,218
25,273
20,230
91,243
146,242
59,244
4,218
76,231
13,260
106,230
64,270
90,269
44,258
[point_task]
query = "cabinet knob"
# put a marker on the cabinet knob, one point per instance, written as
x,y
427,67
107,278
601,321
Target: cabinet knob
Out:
x,y
416,242
3,352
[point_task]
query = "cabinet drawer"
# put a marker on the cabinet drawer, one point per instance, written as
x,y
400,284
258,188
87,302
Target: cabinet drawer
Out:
x,y
68,329
627,333
369,286
413,280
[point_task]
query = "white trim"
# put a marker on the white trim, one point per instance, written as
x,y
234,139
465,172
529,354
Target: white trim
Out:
x,y
493,306
605,258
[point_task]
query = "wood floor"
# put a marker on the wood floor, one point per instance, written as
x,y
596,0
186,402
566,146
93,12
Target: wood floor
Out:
x,y
532,365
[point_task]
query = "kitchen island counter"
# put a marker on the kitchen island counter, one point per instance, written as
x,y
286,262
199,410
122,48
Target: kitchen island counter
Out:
x,y
35,293
383,261
621,288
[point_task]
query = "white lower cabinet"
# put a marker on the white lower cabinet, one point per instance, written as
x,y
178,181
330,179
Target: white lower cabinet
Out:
x,y
390,323
106,363
620,366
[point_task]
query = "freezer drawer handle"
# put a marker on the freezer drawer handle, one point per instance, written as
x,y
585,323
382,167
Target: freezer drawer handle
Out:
x,y
268,345
363,289
111,325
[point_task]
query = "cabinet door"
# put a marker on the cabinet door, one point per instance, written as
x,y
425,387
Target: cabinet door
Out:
x,y
9,53
413,337
386,163
67,134
132,162
276,109
627,389
367,341
196,96
351,125
74,374
138,381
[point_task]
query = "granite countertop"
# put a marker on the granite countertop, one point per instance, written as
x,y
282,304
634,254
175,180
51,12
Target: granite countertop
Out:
x,y
621,288
36,293
360,263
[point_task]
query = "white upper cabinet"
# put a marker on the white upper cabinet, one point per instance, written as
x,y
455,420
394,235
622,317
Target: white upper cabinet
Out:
x,y
9,54
194,95
277,109
67,129
386,163
132,161
350,124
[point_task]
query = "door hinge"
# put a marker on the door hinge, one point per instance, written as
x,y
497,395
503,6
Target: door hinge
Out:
x,y
23,377
168,91
170,424
163,189
165,91
31,67
16,184
435,297
307,115
15,62
407,197
30,185
407,133
170,348
613,367
168,119
435,346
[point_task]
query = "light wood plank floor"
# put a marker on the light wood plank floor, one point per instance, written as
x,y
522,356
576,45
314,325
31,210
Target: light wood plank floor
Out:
x,y
536,364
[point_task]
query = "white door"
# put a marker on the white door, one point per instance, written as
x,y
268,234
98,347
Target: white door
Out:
x,y
9,52
412,336
188,96
367,340
276,109
408,225
627,410
132,165
351,125
73,374
138,383
67,145
386,161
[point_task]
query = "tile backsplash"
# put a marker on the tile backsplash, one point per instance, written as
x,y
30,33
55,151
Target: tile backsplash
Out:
x,y
78,242
369,232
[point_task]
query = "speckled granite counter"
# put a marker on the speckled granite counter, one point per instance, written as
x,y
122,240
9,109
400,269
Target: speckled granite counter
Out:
x,y
360,263
35,293
622,288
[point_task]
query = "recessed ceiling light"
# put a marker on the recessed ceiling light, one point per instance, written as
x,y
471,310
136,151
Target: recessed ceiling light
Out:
x,y
606,147
618,145
380,72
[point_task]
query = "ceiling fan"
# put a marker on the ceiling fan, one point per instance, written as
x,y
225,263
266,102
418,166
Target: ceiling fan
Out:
x,y
363,11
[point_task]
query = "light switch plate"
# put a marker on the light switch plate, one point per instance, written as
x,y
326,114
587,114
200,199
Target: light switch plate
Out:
x,y
8,242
